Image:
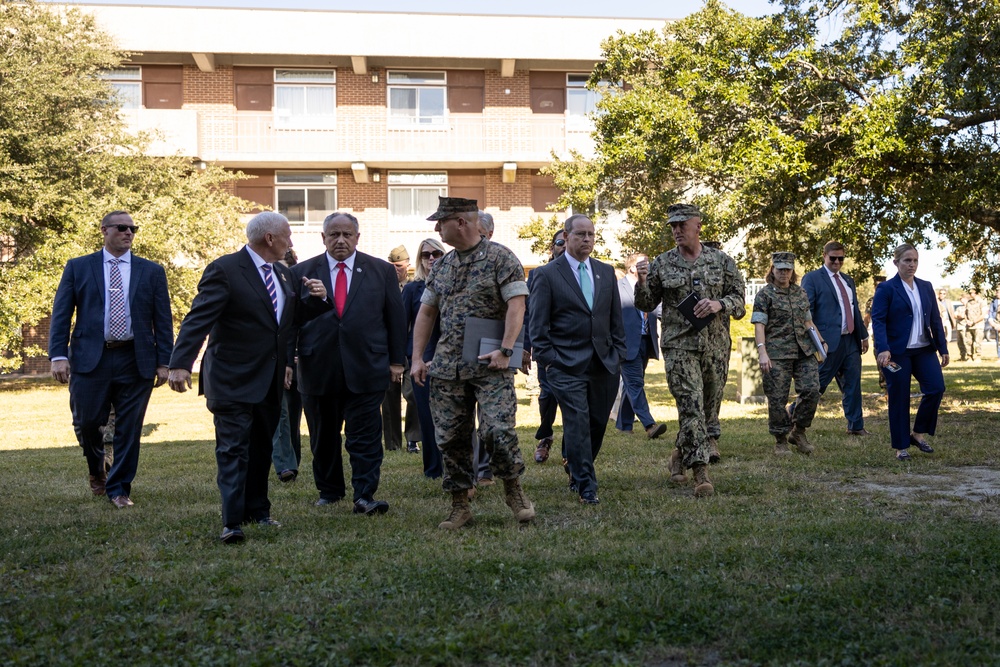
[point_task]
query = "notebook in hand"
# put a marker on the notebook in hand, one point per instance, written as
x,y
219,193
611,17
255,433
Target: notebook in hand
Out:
x,y
686,306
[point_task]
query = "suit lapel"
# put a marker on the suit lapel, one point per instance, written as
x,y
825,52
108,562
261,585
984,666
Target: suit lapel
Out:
x,y
564,270
134,278
97,266
901,290
252,275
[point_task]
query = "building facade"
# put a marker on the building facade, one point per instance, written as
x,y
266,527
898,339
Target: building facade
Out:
x,y
372,113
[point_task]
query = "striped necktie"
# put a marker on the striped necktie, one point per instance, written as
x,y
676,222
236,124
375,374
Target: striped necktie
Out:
x,y
271,291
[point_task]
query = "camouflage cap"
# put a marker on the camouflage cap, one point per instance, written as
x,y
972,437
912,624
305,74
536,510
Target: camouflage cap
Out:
x,y
399,254
681,212
783,260
448,206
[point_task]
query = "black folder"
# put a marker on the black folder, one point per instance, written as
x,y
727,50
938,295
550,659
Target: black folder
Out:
x,y
687,310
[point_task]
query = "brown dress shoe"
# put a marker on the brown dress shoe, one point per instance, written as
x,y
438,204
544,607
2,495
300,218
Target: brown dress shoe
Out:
x,y
859,431
121,502
542,451
655,430
97,483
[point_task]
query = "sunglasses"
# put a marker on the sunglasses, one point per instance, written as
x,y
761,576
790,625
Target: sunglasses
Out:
x,y
559,243
436,254
122,228
835,258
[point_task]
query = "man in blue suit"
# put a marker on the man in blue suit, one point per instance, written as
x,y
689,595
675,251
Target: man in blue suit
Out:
x,y
833,300
578,337
119,350
641,344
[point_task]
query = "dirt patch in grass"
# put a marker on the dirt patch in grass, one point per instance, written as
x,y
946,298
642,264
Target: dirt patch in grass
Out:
x,y
976,483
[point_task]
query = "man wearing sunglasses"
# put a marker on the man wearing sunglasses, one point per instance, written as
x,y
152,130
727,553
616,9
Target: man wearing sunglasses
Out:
x,y
833,300
119,350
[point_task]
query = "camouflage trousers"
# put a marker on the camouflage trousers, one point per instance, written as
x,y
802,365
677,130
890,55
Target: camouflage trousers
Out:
x,y
696,381
778,383
108,433
453,406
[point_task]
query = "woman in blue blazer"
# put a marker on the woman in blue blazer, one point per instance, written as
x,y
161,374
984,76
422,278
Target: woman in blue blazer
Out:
x,y
430,251
908,337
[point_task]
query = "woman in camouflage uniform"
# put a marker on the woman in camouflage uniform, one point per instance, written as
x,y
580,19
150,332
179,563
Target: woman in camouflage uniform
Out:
x,y
782,320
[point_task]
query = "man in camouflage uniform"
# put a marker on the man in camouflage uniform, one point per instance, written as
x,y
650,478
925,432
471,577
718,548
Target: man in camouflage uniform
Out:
x,y
483,279
782,319
696,362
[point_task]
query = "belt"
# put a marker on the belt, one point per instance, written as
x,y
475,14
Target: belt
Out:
x,y
114,344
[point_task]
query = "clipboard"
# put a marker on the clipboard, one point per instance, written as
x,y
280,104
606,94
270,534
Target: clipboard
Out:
x,y
686,306
814,337
479,330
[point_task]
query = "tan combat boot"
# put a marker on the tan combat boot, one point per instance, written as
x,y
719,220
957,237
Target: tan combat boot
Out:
x,y
461,513
781,445
713,451
798,438
677,475
517,501
702,485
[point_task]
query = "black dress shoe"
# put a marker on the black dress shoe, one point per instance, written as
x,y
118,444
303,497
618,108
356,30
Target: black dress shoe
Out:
x,y
327,501
232,536
903,455
288,475
589,498
921,445
858,431
412,447
370,507
268,521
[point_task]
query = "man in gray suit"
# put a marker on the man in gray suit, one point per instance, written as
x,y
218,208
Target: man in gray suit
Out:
x,y
577,335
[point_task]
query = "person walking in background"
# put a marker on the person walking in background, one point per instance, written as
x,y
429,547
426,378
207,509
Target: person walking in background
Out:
x,y
993,320
430,252
118,351
392,415
347,358
947,312
642,343
833,300
578,336
481,279
547,403
908,338
248,305
286,446
696,361
782,321
975,316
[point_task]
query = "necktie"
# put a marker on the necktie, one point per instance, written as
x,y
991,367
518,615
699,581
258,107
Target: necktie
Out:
x,y
116,310
645,323
340,289
585,285
271,292
846,301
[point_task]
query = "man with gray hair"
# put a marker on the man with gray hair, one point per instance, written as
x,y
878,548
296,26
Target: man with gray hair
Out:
x,y
247,304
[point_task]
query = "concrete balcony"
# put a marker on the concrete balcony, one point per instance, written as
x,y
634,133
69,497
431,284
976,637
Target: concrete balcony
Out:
x,y
473,140
174,131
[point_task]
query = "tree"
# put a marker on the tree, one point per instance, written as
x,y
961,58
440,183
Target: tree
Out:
x,y
66,159
885,133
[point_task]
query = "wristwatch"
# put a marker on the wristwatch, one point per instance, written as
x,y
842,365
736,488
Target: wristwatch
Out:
x,y
507,352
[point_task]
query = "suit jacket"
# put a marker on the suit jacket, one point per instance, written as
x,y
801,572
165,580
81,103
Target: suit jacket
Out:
x,y
82,289
892,316
370,335
824,302
246,345
632,319
564,331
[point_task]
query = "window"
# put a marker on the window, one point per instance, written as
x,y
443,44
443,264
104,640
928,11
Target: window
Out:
x,y
305,198
305,98
127,82
416,98
414,196
581,102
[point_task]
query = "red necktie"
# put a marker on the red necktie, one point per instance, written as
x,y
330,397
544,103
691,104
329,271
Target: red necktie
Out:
x,y
848,311
340,289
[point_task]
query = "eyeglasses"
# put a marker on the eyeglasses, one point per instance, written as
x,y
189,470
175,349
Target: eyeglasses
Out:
x,y
122,228
559,243
836,258
436,254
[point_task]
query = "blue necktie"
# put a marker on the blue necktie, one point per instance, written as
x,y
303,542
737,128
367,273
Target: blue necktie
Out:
x,y
588,289
271,292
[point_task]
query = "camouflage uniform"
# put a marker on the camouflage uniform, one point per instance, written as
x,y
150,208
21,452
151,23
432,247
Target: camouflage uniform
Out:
x,y
108,433
696,363
476,283
784,313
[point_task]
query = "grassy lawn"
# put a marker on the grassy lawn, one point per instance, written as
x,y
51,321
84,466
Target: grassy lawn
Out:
x,y
842,558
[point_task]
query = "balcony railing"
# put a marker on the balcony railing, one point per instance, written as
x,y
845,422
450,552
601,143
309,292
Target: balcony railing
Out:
x,y
468,138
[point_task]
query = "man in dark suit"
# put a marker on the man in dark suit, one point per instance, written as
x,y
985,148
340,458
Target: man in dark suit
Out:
x,y
247,304
347,358
578,336
833,300
641,344
119,351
